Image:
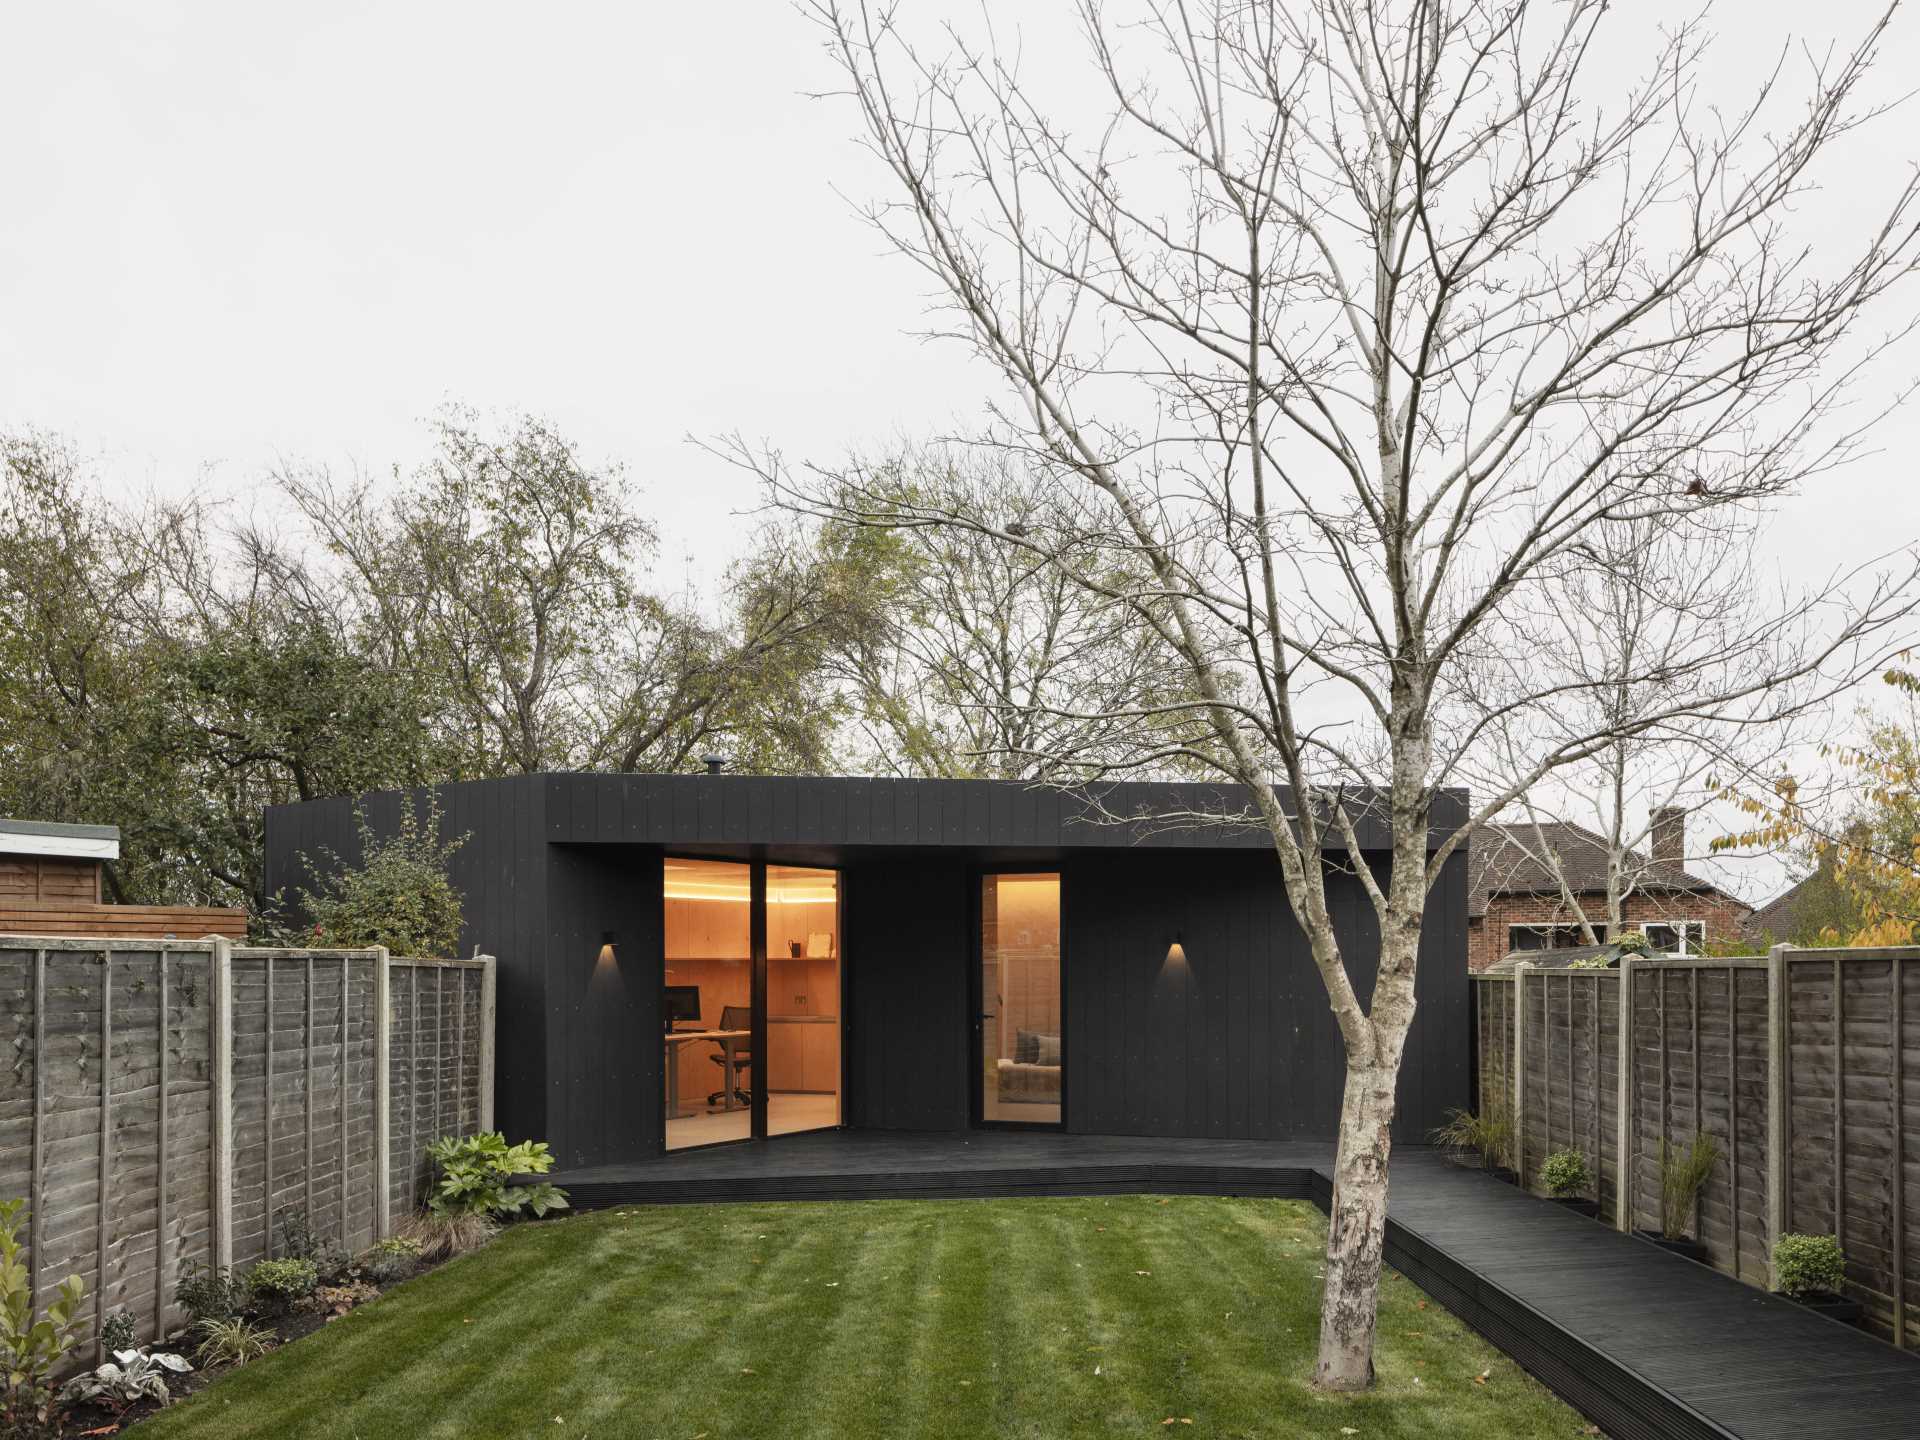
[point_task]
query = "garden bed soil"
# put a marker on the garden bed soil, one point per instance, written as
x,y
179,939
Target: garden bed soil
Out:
x,y
95,1419
1588,1208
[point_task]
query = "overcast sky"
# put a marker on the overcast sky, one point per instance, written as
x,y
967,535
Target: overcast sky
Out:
x,y
235,232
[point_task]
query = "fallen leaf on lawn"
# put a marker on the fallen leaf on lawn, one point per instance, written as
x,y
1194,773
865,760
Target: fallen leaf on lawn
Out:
x,y
746,1370
103,1430
1481,1378
1348,1430
1422,1304
559,1419
1096,1369
1143,1272
966,1382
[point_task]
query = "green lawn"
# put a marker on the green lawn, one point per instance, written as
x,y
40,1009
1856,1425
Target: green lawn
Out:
x,y
961,1318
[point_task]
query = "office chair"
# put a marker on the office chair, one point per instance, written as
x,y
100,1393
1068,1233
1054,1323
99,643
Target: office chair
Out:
x,y
733,1017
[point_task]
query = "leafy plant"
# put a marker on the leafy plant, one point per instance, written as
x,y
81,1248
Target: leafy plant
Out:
x,y
1633,942
1683,1175
116,1332
398,895
1490,1136
1591,962
274,1285
300,1241
1806,1264
31,1350
131,1375
1564,1173
207,1292
393,1258
233,1341
476,1172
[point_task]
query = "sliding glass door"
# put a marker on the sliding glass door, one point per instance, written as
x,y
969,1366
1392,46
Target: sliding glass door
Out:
x,y
751,1000
1018,1029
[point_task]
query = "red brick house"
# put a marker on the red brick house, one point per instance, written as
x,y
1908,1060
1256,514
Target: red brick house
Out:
x,y
1514,900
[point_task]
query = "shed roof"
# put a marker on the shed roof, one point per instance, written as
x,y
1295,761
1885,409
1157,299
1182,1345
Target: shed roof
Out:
x,y
45,837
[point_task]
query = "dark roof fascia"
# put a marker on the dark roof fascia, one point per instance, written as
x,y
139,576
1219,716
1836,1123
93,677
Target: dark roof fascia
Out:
x,y
883,812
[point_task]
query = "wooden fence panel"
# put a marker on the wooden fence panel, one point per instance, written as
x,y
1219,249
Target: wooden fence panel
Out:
x,y
109,1098
1853,1039
438,1054
1493,1043
1572,1086
1700,1068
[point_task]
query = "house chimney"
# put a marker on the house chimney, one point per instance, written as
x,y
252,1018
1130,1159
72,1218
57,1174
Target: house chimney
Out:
x,y
714,763
1669,834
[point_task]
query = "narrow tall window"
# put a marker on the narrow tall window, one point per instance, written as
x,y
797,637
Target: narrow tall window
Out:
x,y
1020,1030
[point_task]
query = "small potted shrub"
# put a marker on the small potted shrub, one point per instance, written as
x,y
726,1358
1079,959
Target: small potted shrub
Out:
x,y
1487,1138
1564,1173
1811,1271
1684,1173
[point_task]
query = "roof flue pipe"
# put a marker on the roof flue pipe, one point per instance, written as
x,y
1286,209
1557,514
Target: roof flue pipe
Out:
x,y
714,763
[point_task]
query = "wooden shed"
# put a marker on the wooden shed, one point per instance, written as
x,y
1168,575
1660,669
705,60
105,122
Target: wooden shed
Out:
x,y
51,884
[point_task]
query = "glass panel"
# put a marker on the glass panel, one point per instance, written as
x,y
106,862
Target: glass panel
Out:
x,y
803,999
706,1006
1020,998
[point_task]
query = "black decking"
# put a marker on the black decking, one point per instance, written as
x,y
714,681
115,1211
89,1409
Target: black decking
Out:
x,y
1647,1345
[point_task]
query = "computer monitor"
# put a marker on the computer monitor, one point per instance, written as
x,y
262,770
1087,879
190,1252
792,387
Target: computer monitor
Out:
x,y
682,1003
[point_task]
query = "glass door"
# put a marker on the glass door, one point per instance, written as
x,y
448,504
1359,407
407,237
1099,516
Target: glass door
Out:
x,y
751,1004
1019,1026
803,999
707,1006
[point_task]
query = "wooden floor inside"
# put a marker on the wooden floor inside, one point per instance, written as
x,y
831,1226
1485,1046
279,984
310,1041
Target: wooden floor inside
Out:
x,y
1647,1345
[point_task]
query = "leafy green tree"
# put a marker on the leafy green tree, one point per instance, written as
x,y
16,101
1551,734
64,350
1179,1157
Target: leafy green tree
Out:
x,y
398,894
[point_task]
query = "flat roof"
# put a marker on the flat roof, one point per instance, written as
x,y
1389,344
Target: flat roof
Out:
x,y
47,837
839,815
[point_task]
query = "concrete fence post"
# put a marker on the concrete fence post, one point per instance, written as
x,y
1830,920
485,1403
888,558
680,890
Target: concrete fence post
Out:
x,y
488,980
220,984
1778,1135
1625,1177
1520,974
382,1094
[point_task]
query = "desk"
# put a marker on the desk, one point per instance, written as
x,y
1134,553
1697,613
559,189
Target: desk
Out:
x,y
675,1038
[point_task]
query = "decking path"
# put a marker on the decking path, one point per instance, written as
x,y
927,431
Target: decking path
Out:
x,y
1647,1345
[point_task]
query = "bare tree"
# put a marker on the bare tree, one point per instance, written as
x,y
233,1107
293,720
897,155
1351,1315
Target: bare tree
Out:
x,y
968,657
1637,608
1338,327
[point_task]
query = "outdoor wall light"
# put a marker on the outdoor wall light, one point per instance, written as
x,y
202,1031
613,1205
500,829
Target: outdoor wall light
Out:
x,y
1176,952
606,947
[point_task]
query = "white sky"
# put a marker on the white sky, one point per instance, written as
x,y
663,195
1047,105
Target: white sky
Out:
x,y
231,233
